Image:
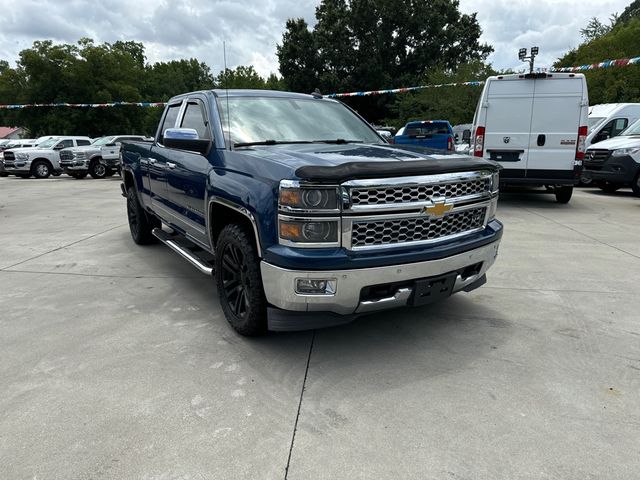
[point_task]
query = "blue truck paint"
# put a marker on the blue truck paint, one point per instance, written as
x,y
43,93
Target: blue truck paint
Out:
x,y
435,134
183,188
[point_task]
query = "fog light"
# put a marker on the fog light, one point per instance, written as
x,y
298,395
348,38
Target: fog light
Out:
x,y
316,286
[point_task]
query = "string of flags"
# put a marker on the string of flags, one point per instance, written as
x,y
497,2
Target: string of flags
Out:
x,y
622,62
83,105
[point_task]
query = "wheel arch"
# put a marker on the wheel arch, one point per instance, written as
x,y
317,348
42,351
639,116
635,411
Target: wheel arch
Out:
x,y
231,213
41,159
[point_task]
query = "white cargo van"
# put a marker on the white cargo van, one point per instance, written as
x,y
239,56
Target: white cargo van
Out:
x,y
535,126
608,120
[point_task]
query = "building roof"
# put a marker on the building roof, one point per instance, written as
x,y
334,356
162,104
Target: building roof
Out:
x,y
6,131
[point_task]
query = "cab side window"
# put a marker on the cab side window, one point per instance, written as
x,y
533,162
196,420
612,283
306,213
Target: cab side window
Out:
x,y
194,118
83,142
611,129
65,144
169,120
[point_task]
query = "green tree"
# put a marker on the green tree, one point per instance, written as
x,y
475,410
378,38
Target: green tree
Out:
x,y
613,84
372,44
455,103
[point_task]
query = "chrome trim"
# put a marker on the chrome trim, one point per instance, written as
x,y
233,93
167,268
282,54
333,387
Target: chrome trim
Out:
x,y
420,180
290,243
399,299
415,181
347,227
184,253
239,209
279,283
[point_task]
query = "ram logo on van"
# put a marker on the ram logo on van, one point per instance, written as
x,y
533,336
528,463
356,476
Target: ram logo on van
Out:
x,y
506,139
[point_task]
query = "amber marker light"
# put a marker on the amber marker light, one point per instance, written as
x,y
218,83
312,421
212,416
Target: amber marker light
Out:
x,y
290,231
290,197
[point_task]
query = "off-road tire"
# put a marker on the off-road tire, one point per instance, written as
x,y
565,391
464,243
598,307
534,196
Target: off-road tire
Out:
x,y
563,194
609,187
97,169
635,185
41,169
141,224
239,281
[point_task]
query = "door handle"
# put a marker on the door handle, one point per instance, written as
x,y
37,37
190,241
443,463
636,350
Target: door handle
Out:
x,y
541,140
171,165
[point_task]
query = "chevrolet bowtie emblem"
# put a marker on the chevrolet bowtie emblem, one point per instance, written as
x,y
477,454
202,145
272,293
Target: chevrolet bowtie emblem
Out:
x,y
438,209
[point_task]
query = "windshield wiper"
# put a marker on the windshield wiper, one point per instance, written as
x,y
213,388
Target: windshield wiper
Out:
x,y
269,142
338,141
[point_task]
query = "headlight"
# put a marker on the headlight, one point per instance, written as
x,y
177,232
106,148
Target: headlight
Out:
x,y
296,197
78,155
309,232
625,151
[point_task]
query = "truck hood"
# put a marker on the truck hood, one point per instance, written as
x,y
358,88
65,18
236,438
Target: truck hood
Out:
x,y
337,163
617,142
34,151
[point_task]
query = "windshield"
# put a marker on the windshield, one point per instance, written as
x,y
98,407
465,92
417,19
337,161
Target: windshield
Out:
x,y
103,141
48,143
633,129
258,119
593,121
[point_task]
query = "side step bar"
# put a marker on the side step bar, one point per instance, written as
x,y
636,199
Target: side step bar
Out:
x,y
190,256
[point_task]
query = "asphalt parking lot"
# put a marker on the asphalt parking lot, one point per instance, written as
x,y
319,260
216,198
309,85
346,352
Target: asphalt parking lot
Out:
x,y
116,360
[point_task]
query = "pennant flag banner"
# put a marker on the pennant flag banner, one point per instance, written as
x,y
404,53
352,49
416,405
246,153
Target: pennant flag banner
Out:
x,y
623,62
83,105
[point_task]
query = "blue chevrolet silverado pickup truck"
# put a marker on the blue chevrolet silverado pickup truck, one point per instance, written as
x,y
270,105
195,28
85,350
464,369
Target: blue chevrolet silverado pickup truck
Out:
x,y
304,215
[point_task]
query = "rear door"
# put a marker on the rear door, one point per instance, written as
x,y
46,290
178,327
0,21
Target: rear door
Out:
x,y
154,167
555,120
508,123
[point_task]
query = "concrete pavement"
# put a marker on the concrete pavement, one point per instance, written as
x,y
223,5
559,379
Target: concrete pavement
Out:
x,y
116,361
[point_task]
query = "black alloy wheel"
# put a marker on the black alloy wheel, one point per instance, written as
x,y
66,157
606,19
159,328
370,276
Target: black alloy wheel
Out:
x,y
234,280
239,282
141,225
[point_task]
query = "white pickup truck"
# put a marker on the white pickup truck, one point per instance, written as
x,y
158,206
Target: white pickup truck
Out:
x,y
100,159
42,160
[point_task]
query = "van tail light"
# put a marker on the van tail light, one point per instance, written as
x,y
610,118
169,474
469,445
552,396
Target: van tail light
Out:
x,y
478,144
582,143
450,144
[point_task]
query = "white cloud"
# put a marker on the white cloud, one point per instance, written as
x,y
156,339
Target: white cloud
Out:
x,y
196,28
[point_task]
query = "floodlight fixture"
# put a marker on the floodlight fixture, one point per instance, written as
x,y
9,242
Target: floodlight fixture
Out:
x,y
534,51
522,54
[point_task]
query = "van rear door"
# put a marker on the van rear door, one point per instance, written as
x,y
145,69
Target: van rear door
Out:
x,y
508,123
555,120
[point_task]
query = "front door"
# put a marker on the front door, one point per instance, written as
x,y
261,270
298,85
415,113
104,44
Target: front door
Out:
x,y
187,175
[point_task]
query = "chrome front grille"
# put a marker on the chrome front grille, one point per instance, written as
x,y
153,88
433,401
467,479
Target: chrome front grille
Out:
x,y
417,193
391,212
65,155
415,229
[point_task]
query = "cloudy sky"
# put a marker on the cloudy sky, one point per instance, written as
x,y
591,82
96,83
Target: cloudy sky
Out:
x,y
196,28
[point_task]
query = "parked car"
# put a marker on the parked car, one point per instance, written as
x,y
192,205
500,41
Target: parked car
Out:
x,y
535,126
609,120
307,217
14,143
615,163
100,159
42,160
435,134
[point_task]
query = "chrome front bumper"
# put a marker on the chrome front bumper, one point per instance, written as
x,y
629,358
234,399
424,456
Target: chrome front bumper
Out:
x,y
279,283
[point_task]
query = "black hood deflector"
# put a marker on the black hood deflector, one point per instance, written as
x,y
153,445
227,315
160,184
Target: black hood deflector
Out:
x,y
362,170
